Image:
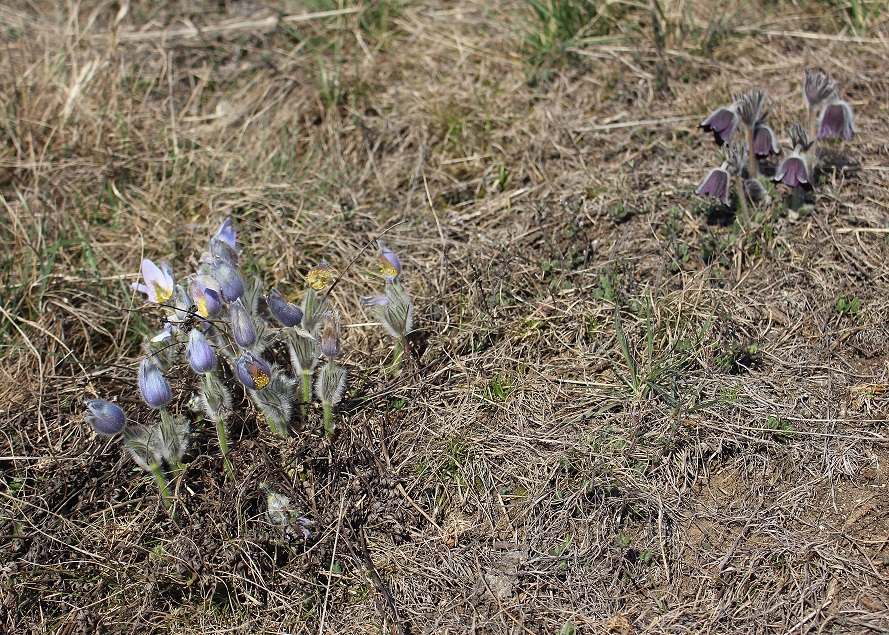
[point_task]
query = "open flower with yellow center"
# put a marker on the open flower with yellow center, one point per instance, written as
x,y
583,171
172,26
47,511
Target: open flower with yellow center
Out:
x,y
319,276
159,284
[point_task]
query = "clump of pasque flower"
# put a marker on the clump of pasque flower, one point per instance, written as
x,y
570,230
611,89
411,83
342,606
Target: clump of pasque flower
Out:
x,y
829,117
394,309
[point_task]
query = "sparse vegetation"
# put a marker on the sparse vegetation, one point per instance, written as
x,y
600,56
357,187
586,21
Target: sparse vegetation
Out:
x,y
607,405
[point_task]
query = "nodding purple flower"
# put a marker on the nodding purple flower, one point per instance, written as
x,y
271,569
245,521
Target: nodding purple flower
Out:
x,y
200,354
836,120
794,171
330,335
207,300
764,141
287,314
716,184
389,263
227,234
817,88
722,122
375,300
106,418
159,284
231,283
252,371
223,251
243,329
755,190
155,390
749,106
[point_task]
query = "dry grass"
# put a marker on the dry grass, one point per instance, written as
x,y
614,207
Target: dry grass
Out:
x,y
625,414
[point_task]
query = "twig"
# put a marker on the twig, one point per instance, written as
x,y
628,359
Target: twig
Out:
x,y
243,25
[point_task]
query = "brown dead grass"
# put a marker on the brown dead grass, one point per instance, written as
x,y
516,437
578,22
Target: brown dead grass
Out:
x,y
509,482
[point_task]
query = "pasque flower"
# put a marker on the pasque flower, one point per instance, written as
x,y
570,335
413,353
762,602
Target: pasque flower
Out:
x,y
795,169
227,234
106,418
330,334
389,263
252,371
159,284
716,184
243,330
817,88
764,140
722,122
207,300
231,284
287,314
200,354
154,388
836,120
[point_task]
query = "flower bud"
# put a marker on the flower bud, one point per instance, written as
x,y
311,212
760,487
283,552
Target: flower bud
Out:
x,y
154,388
243,329
200,354
230,281
223,251
330,335
226,234
106,418
287,314
254,372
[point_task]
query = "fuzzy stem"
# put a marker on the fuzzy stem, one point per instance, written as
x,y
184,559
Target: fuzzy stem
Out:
x,y
398,361
811,124
307,386
328,418
754,172
223,445
796,198
742,197
162,484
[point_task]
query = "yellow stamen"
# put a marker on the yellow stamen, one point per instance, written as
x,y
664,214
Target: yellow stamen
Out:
x,y
259,377
318,277
386,267
162,294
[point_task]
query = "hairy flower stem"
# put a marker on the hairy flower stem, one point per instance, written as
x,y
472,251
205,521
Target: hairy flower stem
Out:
x,y
812,124
745,213
307,386
398,361
223,446
796,198
754,172
162,485
328,418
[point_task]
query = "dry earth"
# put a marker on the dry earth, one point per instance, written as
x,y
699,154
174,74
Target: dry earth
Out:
x,y
625,411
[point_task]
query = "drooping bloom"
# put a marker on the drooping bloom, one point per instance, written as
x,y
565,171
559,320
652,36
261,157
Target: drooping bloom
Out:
x,y
795,169
231,284
722,122
287,314
243,330
206,300
764,140
252,371
817,88
330,335
836,120
716,184
200,354
155,390
390,265
106,418
159,284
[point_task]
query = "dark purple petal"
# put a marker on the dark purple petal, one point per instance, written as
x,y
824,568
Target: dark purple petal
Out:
x,y
716,186
836,121
764,141
722,123
794,171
